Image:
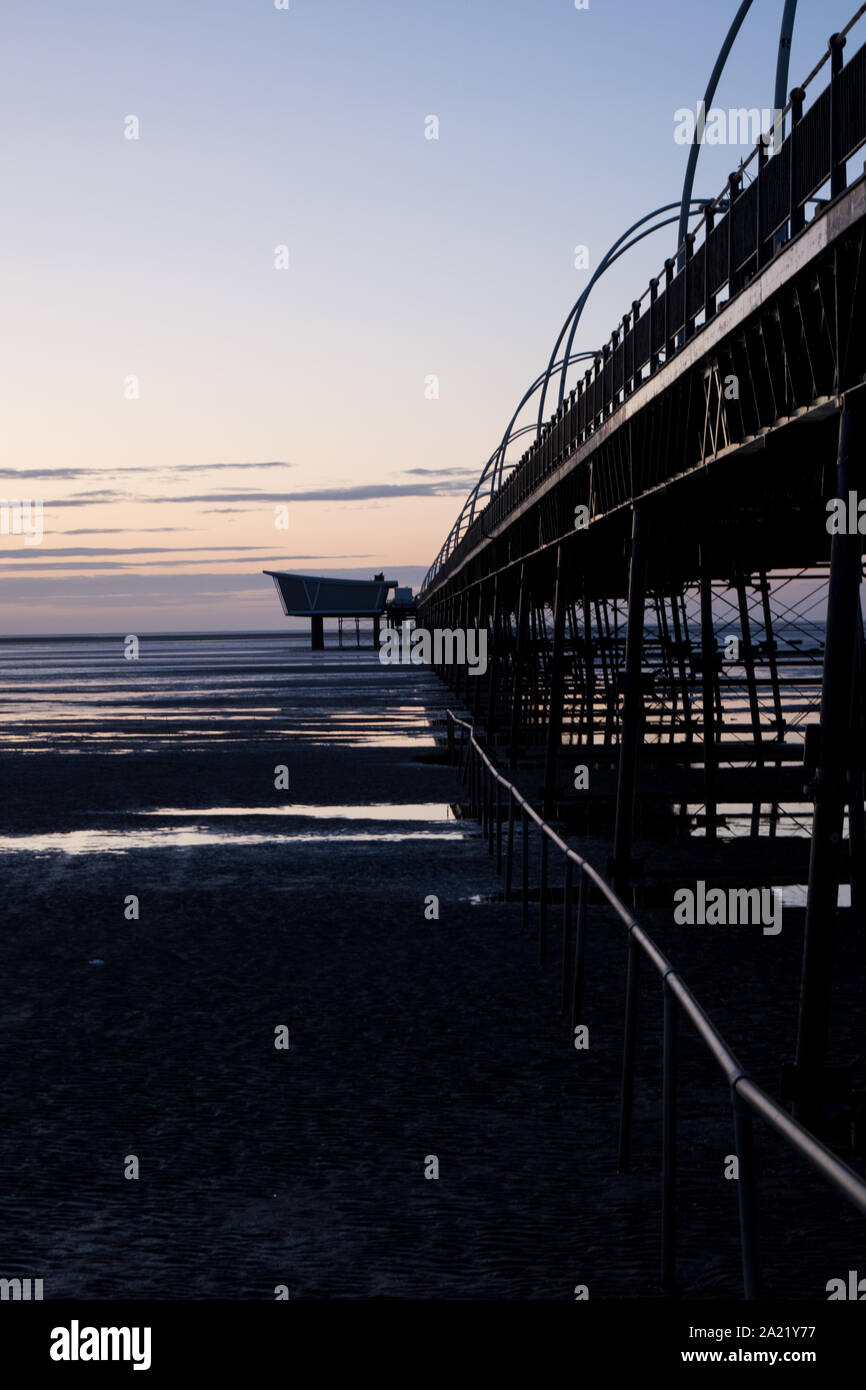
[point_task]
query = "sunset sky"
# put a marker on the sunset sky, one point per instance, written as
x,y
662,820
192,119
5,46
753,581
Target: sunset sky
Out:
x,y
154,258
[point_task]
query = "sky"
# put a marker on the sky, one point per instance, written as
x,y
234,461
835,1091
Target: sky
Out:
x,y
256,319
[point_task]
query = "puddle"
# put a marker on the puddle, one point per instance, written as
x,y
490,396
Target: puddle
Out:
x,y
194,837
422,811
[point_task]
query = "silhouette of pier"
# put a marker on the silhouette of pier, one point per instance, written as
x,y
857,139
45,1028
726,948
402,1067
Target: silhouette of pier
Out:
x,y
671,602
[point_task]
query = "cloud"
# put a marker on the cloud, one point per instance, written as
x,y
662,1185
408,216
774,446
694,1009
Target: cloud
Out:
x,y
366,492
97,499
87,499
362,492
69,474
125,530
177,589
137,550
61,565
441,483
466,474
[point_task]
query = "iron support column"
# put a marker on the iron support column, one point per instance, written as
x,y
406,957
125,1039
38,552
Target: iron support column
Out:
x,y
557,687
834,757
632,711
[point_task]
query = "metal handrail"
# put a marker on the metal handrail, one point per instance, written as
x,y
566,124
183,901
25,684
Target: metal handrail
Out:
x,y
486,784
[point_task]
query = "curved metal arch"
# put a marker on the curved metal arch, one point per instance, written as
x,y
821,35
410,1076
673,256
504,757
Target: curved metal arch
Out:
x,y
783,61
780,98
686,205
700,204
577,309
692,162
497,458
507,437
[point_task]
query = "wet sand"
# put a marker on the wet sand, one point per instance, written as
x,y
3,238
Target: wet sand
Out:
x,y
408,1037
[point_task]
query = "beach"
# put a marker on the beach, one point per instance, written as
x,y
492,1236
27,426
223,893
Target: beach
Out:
x,y
150,1031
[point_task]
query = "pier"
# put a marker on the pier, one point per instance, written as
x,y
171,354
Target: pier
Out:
x,y
519,953
669,586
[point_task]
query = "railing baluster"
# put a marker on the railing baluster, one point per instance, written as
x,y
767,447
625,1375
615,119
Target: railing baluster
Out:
x,y
838,180
484,789
542,900
746,1195
567,891
498,827
626,1095
797,214
669,1141
579,939
524,836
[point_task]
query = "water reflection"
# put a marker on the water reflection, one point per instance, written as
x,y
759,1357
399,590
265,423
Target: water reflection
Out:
x,y
194,837
424,811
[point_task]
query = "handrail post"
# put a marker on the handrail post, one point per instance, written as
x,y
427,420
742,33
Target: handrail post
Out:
x,y
796,213
509,856
631,733
669,337
709,297
493,662
519,657
567,895
626,375
838,177
476,689
557,686
654,357
626,1097
473,804
606,405
688,329
524,850
734,185
490,828
669,1141
462,603
579,938
482,790
542,898
708,694
597,415
760,200
746,1195
498,827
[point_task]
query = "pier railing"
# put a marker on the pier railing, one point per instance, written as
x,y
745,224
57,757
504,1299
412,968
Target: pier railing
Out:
x,y
738,234
497,803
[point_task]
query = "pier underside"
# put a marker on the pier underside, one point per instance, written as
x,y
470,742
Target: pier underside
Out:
x,y
670,589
